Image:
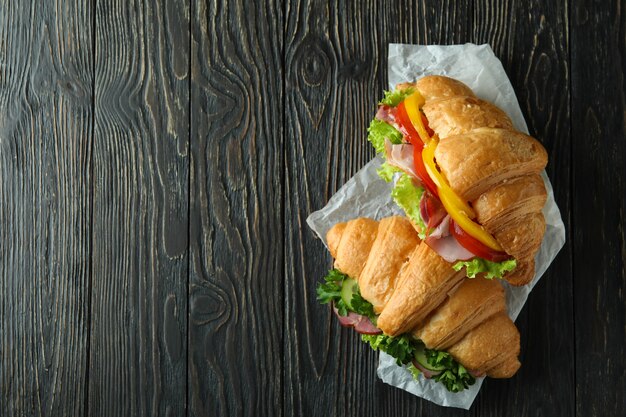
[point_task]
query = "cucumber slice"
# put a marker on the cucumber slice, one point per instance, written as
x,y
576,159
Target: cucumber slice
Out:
x,y
420,356
348,288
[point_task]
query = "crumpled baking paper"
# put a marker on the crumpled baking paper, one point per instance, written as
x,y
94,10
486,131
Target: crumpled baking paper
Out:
x,y
366,195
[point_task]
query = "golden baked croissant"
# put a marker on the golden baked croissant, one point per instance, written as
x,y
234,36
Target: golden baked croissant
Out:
x,y
417,292
480,163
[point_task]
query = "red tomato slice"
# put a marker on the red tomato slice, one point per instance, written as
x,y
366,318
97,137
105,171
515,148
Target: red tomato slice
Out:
x,y
428,129
409,130
420,169
414,139
475,246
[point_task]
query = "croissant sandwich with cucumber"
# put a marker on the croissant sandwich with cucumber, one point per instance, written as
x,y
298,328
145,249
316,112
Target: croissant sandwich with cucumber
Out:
x,y
421,287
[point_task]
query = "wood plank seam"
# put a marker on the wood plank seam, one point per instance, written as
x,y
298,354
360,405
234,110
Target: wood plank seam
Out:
x,y
570,222
92,199
192,5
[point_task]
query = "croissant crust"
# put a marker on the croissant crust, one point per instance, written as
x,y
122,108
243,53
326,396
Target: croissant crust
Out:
x,y
396,239
461,114
489,345
436,87
475,162
473,302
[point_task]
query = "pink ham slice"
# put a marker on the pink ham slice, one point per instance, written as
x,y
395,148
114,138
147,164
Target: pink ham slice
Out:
x,y
477,374
360,323
449,248
388,114
351,320
442,230
401,157
366,326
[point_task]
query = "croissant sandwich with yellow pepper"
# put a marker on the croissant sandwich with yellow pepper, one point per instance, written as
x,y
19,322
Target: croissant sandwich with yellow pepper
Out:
x,y
469,181
469,184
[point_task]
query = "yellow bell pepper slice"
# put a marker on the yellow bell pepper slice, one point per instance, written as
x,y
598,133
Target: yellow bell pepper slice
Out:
x,y
428,155
468,225
413,104
457,208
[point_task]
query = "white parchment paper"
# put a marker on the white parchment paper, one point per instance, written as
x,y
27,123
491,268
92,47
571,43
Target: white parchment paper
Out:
x,y
366,195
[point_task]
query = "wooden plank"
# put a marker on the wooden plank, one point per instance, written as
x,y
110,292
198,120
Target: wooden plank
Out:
x,y
46,123
236,285
532,40
336,69
599,205
138,361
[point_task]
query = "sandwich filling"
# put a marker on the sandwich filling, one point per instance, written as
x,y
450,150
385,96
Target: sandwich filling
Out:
x,y
444,220
353,310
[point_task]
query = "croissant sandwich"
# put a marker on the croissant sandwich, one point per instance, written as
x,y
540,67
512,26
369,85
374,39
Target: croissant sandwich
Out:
x,y
471,189
408,301
469,182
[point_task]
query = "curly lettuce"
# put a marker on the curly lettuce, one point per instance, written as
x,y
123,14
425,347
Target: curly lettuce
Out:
x,y
403,348
378,131
395,97
414,371
492,270
386,171
400,347
408,195
330,290
454,376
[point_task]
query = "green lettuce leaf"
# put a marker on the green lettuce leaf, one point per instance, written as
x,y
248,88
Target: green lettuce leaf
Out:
x,y
401,347
330,290
492,269
386,171
363,307
414,371
378,131
408,195
454,377
393,98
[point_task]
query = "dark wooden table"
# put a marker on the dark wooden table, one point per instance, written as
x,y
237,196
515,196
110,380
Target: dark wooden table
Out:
x,y
158,160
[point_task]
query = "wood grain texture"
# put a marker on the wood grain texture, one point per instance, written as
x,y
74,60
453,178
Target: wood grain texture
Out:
x,y
158,160
236,268
45,149
138,361
532,41
599,205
